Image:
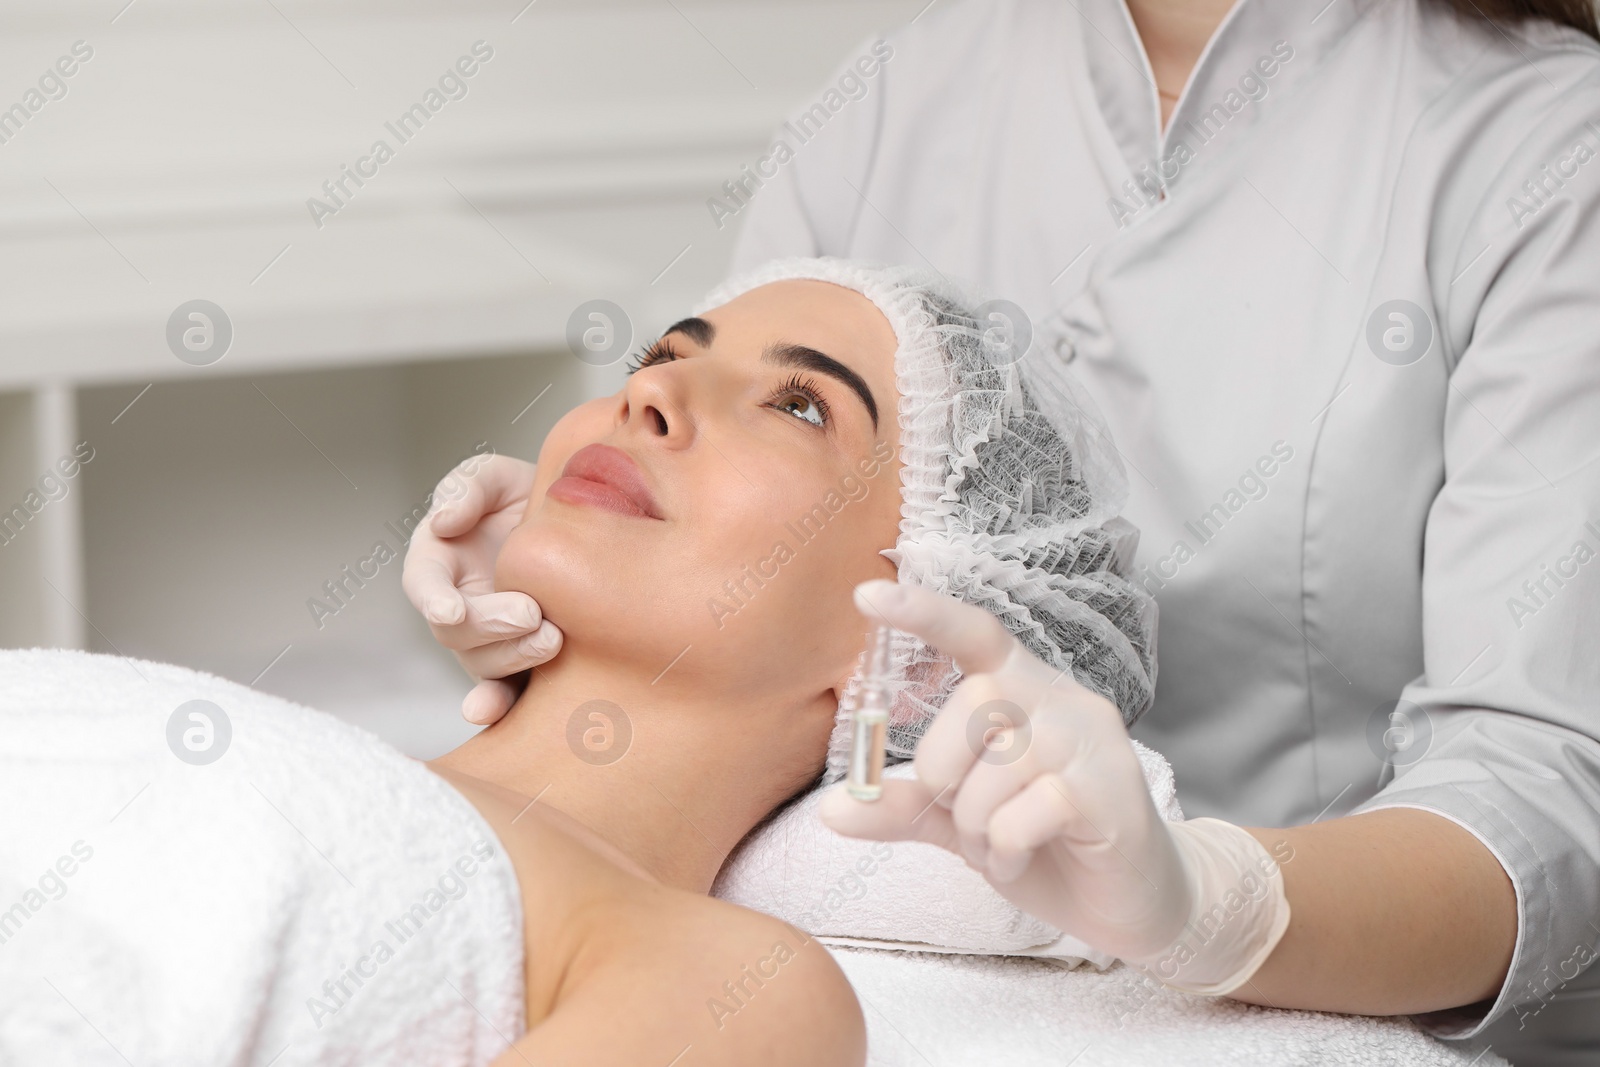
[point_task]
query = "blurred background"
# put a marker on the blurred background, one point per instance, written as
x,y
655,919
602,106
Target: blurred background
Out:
x,y
373,345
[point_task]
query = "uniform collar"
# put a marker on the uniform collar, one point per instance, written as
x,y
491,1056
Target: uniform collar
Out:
x,y
1125,86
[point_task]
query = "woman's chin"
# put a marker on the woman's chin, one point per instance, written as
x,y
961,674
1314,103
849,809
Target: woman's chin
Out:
x,y
599,612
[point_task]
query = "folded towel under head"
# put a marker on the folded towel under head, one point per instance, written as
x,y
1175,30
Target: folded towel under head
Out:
x,y
901,894
308,896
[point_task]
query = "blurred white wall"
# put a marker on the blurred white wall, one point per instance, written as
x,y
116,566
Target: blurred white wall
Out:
x,y
372,347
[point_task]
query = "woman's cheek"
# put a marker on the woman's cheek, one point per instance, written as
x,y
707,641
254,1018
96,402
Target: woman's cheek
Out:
x,y
752,528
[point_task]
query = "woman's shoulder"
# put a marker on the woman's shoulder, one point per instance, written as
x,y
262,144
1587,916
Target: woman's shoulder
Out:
x,y
1539,58
1495,110
619,966
692,972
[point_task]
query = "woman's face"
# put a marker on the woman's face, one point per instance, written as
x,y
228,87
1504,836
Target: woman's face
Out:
x,y
727,500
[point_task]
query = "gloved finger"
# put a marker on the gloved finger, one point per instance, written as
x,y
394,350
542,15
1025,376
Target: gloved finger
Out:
x,y
1002,867
904,812
490,699
954,739
429,576
1032,816
504,658
998,775
973,637
488,618
1081,738
477,487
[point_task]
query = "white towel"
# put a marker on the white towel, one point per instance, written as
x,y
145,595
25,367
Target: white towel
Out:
x,y
158,912
924,1010
902,894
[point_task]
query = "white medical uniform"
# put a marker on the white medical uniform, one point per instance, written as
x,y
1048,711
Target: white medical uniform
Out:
x,y
1345,501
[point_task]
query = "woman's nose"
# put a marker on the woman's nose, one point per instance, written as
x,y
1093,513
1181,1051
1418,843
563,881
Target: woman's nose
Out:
x,y
651,405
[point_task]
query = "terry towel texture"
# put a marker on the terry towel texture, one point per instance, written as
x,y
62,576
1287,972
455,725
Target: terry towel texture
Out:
x,y
927,1010
311,897
901,894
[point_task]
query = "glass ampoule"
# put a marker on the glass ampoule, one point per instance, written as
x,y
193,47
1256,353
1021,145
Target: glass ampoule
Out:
x,y
869,719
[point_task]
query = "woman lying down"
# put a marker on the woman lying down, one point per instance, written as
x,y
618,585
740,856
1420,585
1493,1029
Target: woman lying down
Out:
x,y
195,873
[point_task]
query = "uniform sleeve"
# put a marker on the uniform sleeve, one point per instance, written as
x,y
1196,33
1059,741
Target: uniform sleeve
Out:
x,y
1507,712
821,155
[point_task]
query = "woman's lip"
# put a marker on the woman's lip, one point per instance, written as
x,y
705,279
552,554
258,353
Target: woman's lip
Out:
x,y
582,491
607,477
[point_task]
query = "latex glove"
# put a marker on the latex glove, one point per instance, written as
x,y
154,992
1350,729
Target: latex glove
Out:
x,y
1053,809
449,577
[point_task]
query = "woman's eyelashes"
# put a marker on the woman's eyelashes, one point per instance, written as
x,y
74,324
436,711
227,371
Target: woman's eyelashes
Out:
x,y
658,351
798,397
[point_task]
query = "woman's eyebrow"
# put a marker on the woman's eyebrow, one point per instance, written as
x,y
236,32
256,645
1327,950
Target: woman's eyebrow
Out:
x,y
697,330
784,354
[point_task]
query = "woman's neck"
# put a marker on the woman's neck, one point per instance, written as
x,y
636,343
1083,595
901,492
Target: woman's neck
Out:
x,y
1174,33
671,779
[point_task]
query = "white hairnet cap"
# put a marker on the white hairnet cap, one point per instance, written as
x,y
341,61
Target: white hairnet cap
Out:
x,y
1010,493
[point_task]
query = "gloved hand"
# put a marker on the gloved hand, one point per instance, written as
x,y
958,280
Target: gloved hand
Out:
x,y
449,577
1033,780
